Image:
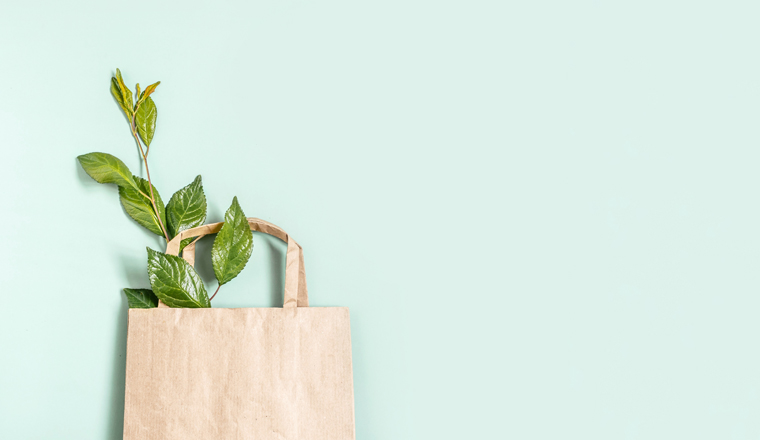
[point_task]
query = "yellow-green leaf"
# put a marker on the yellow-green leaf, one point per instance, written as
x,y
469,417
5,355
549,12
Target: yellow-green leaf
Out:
x,y
124,94
151,88
116,92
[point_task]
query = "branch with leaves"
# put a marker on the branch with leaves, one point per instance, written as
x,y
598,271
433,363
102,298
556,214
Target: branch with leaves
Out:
x,y
172,279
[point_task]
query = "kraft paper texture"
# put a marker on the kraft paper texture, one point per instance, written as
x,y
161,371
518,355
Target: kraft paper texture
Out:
x,y
250,373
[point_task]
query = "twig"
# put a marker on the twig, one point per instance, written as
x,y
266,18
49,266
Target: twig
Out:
x,y
147,172
217,290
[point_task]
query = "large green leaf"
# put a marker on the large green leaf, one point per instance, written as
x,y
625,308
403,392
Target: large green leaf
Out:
x,y
146,120
123,95
187,208
175,282
105,168
139,207
141,298
232,246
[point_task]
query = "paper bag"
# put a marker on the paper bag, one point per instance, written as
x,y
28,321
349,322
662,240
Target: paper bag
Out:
x,y
250,373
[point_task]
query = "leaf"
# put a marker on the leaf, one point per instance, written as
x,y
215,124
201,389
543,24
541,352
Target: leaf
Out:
x,y
122,94
186,209
150,89
125,92
139,207
145,93
116,92
105,168
232,246
176,282
145,120
137,92
141,298
185,242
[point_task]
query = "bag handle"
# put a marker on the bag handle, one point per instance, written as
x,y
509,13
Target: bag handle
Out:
x,y
296,294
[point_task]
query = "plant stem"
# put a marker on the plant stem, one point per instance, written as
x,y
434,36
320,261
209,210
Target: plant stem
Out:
x,y
147,172
217,290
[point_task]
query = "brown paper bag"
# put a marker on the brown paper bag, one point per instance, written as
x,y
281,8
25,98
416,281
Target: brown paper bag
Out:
x,y
258,373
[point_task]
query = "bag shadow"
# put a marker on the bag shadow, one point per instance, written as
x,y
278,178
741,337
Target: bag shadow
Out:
x,y
137,277
115,425
276,268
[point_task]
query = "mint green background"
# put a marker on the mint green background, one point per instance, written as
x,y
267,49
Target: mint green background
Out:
x,y
544,216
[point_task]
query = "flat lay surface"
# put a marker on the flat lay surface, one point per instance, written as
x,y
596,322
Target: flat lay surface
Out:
x,y
542,216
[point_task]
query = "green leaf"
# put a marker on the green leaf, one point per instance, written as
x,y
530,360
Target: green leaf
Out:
x,y
123,95
125,92
186,209
232,246
139,207
146,120
141,298
116,92
185,242
105,168
176,282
